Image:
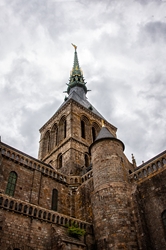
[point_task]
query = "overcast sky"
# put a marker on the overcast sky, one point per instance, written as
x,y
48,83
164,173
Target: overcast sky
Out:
x,y
121,50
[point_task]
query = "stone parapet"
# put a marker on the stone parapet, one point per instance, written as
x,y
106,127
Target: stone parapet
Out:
x,y
149,169
36,212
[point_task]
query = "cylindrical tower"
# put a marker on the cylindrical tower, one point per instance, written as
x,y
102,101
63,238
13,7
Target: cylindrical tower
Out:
x,y
111,200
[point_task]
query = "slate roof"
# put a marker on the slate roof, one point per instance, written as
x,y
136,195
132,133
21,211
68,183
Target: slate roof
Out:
x,y
104,133
77,94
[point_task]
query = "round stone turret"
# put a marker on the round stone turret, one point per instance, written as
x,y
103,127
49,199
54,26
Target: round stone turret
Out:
x,y
111,197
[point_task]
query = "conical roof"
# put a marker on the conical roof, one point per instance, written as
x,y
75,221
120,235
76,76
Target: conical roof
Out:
x,y
104,133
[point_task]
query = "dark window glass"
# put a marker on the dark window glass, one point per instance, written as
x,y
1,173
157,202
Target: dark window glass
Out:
x,y
11,183
93,134
83,129
64,129
54,199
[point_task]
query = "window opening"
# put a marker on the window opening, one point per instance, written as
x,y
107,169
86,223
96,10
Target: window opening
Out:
x,y
83,129
59,161
93,134
11,183
64,129
54,199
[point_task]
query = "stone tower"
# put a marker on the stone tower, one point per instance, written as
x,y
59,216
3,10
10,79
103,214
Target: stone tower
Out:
x,y
111,203
66,137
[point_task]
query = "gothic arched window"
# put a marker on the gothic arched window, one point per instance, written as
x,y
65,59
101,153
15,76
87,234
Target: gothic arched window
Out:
x,y
62,131
64,127
83,129
59,160
11,183
163,216
53,137
95,130
93,134
46,143
54,205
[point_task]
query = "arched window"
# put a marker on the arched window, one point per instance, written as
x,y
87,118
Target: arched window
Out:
x,y
163,216
86,160
54,205
95,130
62,129
53,137
93,134
11,183
64,125
46,143
59,160
83,129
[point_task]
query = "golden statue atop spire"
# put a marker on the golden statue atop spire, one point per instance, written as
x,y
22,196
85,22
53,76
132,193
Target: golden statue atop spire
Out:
x,y
102,123
74,46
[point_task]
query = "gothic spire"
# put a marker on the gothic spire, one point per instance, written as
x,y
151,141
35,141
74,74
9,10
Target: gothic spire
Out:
x,y
76,76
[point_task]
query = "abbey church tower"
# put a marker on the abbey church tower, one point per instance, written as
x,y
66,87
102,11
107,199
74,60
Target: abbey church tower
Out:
x,y
66,137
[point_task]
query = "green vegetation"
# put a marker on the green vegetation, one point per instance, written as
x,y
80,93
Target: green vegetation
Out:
x,y
75,231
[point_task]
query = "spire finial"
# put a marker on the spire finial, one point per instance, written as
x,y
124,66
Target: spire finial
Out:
x,y
75,47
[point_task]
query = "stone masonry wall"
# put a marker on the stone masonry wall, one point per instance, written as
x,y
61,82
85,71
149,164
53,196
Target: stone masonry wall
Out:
x,y
26,233
83,206
150,202
35,187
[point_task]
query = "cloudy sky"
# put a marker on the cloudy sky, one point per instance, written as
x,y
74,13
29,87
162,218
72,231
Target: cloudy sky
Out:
x,y
121,50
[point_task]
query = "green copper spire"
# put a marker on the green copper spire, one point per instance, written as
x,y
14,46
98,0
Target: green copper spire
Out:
x,y
76,76
76,68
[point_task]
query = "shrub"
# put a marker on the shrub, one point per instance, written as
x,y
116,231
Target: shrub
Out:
x,y
75,231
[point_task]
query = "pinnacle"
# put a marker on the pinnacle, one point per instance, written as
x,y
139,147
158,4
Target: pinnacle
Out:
x,y
76,76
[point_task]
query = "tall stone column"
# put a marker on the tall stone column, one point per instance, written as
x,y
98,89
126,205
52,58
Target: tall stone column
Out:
x,y
111,204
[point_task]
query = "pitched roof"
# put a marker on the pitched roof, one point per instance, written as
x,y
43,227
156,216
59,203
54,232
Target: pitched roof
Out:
x,y
77,94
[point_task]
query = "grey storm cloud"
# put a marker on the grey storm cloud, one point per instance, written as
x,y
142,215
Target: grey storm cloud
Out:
x,y
121,50
156,31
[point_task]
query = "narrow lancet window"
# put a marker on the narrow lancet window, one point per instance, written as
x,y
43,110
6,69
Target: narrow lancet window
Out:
x,y
11,183
59,161
64,129
93,134
83,129
54,200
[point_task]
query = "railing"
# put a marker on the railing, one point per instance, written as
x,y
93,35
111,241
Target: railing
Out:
x,y
149,169
87,176
36,212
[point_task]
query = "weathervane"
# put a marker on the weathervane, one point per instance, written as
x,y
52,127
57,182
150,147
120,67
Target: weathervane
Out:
x,y
74,46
